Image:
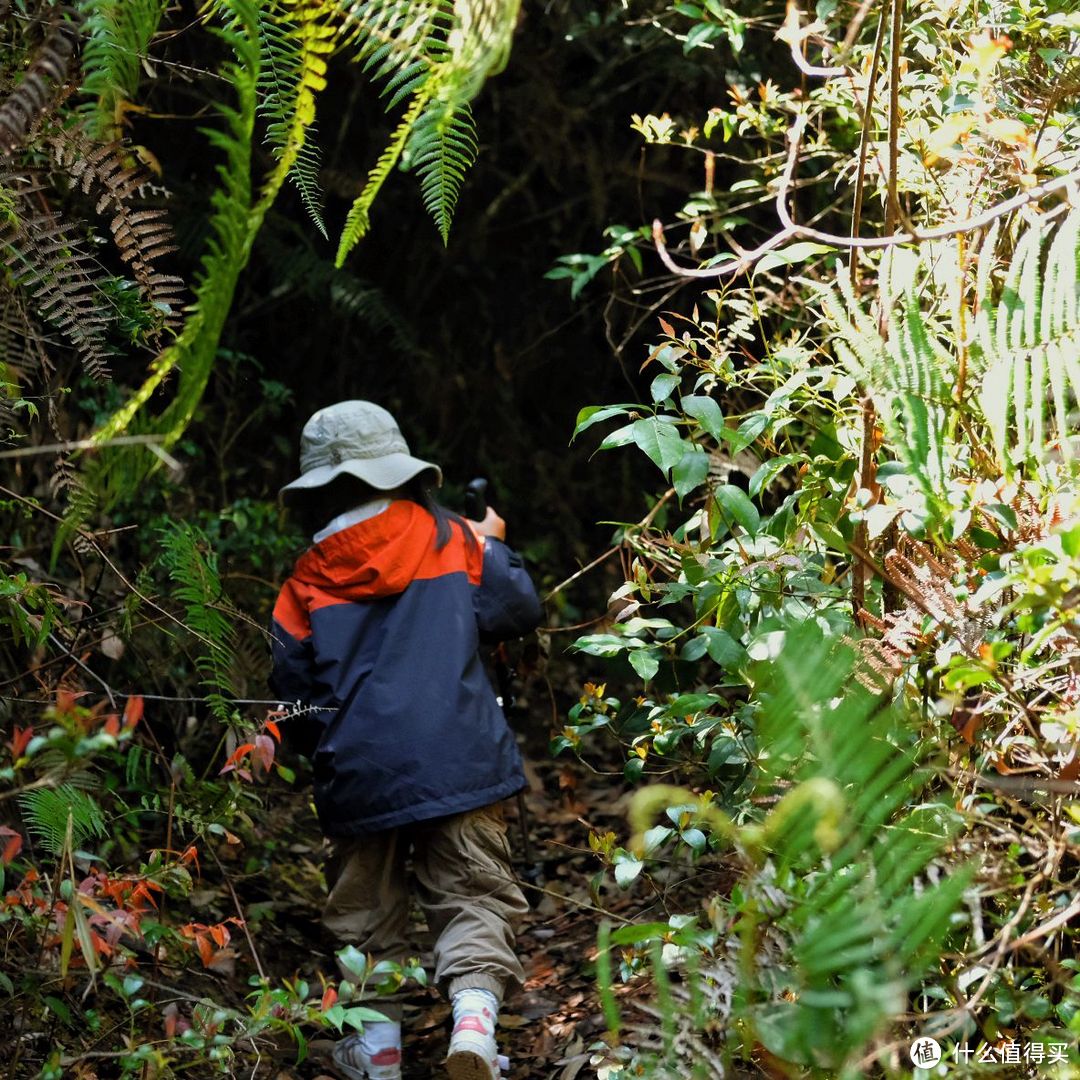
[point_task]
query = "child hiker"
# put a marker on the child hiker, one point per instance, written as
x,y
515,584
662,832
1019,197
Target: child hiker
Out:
x,y
379,627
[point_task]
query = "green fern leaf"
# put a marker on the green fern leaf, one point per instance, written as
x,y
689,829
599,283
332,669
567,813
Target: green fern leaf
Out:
x,y
438,53
442,148
117,35
855,920
1026,344
49,811
187,556
908,377
295,42
235,220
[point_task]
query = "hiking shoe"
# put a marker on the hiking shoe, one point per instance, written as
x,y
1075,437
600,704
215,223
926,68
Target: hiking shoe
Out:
x,y
355,1062
473,1054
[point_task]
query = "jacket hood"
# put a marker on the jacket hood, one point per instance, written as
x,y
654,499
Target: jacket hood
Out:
x,y
380,556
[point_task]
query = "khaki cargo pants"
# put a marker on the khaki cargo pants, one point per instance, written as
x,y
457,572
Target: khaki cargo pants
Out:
x,y
464,884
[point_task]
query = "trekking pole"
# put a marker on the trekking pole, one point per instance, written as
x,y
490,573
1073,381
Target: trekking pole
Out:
x,y
475,509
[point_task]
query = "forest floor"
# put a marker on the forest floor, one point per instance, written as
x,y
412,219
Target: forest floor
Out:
x,y
548,1026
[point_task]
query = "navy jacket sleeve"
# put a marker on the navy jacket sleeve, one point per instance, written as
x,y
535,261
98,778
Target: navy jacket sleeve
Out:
x,y
291,677
506,603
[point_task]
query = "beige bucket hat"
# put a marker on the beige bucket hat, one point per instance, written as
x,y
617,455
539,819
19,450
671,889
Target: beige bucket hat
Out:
x,y
356,438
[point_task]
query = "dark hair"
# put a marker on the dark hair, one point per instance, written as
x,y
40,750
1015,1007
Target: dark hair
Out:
x,y
420,493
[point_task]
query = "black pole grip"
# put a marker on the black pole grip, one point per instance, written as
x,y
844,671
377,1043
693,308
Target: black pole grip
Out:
x,y
476,499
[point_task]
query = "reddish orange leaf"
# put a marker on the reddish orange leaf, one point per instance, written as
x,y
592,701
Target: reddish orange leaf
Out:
x,y
112,724
206,950
236,755
20,739
274,730
133,711
13,845
328,998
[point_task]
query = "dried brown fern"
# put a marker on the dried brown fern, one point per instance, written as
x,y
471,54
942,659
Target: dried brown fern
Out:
x,y
141,235
42,83
49,263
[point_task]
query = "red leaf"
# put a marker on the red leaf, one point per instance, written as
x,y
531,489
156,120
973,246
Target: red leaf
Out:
x,y
235,756
133,711
20,739
206,950
12,847
170,1014
220,934
112,724
65,700
264,751
273,729
328,998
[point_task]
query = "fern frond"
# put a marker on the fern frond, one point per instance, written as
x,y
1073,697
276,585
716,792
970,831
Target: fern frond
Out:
x,y
48,811
481,43
40,85
234,223
358,221
189,559
438,53
49,262
848,860
305,177
295,41
393,36
117,35
141,235
442,148
908,377
1026,344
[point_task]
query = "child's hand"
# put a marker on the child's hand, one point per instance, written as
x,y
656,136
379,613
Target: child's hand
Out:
x,y
492,525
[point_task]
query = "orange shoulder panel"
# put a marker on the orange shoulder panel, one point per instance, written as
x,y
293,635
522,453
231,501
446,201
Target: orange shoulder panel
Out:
x,y
458,556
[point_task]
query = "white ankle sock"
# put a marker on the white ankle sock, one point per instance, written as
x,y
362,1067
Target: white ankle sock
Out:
x,y
476,1008
379,1036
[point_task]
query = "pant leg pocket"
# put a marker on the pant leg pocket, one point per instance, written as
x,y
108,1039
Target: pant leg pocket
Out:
x,y
488,849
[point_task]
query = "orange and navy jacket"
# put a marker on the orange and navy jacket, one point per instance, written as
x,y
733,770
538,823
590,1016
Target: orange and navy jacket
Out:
x,y
380,631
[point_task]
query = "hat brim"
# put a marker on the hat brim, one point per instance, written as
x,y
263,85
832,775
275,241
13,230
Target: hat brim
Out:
x,y
382,473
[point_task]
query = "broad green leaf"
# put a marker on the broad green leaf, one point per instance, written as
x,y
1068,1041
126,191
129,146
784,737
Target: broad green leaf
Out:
x,y
736,506
695,648
695,840
660,441
655,837
707,413
748,431
723,649
358,1016
594,414
620,437
768,471
354,962
639,932
662,386
645,662
691,472
600,645
627,870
